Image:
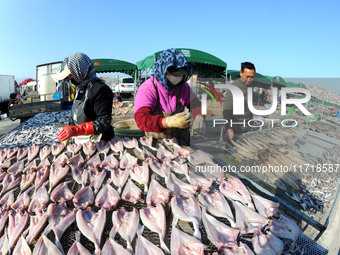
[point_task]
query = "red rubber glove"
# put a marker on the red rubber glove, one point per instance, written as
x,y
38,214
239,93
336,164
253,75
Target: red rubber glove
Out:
x,y
82,129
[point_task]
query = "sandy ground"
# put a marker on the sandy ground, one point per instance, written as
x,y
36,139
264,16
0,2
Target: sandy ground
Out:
x,y
7,125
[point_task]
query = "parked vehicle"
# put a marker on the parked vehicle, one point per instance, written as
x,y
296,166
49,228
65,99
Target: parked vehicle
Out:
x,y
7,88
41,94
124,86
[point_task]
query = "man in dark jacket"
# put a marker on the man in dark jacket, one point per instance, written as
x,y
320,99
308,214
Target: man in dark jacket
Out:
x,y
247,74
92,105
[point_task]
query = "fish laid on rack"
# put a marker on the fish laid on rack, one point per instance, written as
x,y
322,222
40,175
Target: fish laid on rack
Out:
x,y
265,207
126,224
131,192
180,188
247,220
267,244
45,246
92,224
234,189
37,222
7,200
58,171
147,142
107,197
77,248
187,210
217,205
17,222
219,233
202,183
22,247
39,200
140,174
61,194
284,228
182,243
103,147
111,247
60,218
154,219
157,194
74,148
83,198
119,177
96,178
22,201
143,246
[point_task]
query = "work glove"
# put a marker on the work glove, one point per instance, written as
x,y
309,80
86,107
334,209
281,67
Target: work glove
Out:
x,y
199,125
179,120
82,129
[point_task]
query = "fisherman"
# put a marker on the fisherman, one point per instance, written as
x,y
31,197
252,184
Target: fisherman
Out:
x,y
92,105
163,101
247,74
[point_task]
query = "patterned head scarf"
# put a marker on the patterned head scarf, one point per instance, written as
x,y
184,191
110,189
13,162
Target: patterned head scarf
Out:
x,y
81,68
170,58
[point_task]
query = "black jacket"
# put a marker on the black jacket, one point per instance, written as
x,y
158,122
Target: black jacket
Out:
x,y
98,108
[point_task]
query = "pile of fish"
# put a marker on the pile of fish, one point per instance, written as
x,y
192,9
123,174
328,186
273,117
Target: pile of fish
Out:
x,y
311,189
320,187
36,200
119,110
41,129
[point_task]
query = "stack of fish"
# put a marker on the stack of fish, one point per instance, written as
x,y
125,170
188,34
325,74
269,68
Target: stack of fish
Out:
x,y
109,175
41,129
119,110
311,188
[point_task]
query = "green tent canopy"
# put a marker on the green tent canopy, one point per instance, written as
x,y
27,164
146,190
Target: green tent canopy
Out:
x,y
260,80
278,82
204,63
104,65
291,85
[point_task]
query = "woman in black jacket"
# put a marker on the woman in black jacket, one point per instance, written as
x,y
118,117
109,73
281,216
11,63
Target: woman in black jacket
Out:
x,y
92,105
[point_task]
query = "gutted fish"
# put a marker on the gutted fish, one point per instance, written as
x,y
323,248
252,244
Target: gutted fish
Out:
x,y
77,248
187,210
140,174
107,197
131,192
92,224
247,220
217,205
157,194
154,219
126,223
62,194
37,222
83,198
39,200
182,243
119,177
46,247
234,189
145,247
218,233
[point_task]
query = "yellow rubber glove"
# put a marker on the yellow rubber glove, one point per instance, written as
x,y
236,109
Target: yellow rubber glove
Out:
x,y
179,120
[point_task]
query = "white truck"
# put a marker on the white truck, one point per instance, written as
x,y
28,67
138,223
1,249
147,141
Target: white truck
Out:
x,y
7,87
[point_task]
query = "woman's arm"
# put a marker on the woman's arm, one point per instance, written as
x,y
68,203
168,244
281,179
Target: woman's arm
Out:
x,y
148,122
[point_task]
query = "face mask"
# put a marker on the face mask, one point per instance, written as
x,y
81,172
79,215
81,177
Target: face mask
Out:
x,y
175,79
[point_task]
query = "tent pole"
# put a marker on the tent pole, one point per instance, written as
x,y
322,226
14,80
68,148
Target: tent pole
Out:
x,y
135,85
